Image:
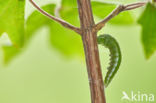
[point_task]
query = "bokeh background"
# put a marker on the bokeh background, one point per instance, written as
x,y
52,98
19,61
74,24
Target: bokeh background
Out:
x,y
41,74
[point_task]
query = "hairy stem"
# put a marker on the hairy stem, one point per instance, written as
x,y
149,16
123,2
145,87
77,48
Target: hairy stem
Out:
x,y
91,52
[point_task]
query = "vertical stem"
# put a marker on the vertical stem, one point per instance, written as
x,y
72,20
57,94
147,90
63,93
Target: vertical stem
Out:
x,y
91,51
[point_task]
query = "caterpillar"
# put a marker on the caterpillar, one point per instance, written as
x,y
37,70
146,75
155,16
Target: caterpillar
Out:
x,y
115,56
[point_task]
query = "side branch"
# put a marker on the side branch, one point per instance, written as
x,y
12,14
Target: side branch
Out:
x,y
116,11
60,21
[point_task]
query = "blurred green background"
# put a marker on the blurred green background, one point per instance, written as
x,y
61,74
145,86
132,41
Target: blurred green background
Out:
x,y
41,74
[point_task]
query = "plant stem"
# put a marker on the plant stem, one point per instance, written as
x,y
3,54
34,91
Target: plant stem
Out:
x,y
91,52
59,20
116,11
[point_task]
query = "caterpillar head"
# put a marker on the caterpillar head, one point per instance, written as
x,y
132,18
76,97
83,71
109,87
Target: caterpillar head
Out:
x,y
104,39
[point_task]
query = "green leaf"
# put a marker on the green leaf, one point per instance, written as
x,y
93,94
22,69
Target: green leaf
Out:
x,y
148,23
65,40
102,9
36,20
12,22
15,29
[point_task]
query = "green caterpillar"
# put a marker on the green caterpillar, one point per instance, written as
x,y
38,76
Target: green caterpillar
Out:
x,y
115,56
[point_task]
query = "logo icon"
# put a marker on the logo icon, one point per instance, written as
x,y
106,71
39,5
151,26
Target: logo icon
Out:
x,y
125,96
